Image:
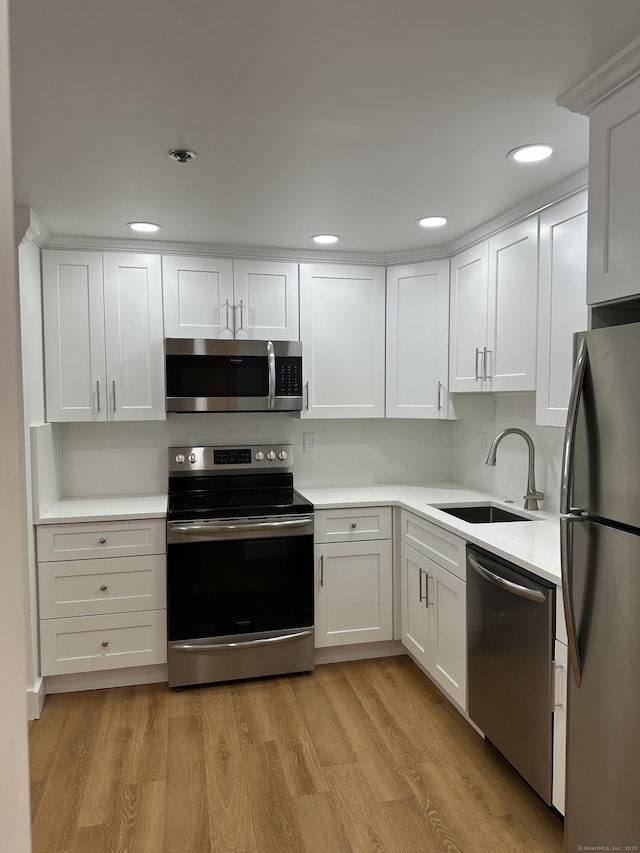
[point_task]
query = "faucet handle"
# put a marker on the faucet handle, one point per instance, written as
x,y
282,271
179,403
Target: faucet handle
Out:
x,y
531,499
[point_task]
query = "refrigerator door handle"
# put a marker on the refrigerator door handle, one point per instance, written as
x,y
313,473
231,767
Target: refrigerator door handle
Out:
x,y
566,564
577,386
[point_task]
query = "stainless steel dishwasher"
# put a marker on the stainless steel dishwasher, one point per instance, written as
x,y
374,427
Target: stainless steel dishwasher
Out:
x,y
510,632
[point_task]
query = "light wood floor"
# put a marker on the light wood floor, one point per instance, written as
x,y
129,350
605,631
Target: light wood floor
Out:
x,y
364,756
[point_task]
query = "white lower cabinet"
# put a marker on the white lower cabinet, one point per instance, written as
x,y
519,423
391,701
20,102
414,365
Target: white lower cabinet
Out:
x,y
102,595
354,577
559,725
433,603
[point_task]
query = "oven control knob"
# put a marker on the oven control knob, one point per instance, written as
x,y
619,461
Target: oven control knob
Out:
x,y
282,455
192,457
259,456
271,456
180,458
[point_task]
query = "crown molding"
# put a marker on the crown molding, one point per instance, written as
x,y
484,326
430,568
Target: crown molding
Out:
x,y
58,241
28,227
617,72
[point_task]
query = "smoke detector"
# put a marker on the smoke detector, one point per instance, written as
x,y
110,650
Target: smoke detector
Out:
x,y
182,155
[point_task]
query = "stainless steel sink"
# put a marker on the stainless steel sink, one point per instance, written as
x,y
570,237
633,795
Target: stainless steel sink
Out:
x,y
482,514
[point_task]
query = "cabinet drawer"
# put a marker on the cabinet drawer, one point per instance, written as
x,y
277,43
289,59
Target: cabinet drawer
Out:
x,y
101,539
110,585
89,643
350,525
447,549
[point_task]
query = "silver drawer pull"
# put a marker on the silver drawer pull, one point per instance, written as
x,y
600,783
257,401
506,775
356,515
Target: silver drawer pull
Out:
x,y
354,524
104,587
102,540
105,644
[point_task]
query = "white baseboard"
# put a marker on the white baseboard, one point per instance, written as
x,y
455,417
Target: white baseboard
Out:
x,y
154,674
360,651
35,699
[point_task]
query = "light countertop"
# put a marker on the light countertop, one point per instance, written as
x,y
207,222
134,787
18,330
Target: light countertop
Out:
x,y
110,508
533,545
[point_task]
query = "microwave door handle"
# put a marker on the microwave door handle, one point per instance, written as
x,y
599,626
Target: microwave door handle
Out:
x,y
271,366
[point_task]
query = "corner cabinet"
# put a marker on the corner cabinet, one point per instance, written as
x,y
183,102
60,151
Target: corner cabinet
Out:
x,y
433,603
493,314
103,334
354,577
418,340
614,196
219,298
562,308
342,329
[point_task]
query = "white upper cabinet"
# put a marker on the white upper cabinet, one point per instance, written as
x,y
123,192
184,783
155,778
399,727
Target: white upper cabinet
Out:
x,y
342,329
494,312
103,336
614,197
562,308
219,298
418,340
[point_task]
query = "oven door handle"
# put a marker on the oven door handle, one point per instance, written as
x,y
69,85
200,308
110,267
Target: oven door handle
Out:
x,y
264,641
208,528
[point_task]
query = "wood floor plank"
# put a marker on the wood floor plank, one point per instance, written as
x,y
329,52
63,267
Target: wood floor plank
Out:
x,y
186,824
150,720
228,801
141,825
46,733
407,825
357,808
320,824
274,819
383,775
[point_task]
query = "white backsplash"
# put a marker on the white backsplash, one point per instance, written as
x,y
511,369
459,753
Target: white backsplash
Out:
x,y
130,458
509,476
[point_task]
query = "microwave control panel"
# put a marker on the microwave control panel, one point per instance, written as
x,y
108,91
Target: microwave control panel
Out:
x,y
288,377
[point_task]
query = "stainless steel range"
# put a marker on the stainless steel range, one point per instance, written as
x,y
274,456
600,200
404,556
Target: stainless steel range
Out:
x,y
240,585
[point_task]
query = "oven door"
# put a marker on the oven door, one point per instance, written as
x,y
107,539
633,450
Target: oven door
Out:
x,y
240,598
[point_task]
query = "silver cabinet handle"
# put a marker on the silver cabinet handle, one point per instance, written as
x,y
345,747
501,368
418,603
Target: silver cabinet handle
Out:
x,y
485,363
577,386
354,524
559,698
226,324
306,396
98,394
103,587
503,583
241,322
264,641
478,354
102,540
113,387
321,569
271,367
105,644
421,597
440,387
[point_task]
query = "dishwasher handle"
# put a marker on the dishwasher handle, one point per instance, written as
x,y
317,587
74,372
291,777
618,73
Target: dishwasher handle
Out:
x,y
503,583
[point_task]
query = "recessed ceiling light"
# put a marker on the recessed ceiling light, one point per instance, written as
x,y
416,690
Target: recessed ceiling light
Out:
x,y
182,155
324,239
432,221
531,153
145,227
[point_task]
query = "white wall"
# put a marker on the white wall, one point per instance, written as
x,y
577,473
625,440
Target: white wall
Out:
x,y
14,776
469,445
129,458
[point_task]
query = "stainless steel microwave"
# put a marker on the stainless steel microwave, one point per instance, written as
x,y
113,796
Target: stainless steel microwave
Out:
x,y
233,376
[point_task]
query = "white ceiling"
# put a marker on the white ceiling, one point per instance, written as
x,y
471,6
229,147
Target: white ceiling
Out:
x,y
349,116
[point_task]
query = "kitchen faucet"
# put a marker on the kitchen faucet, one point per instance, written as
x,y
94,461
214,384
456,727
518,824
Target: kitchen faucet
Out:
x,y
533,496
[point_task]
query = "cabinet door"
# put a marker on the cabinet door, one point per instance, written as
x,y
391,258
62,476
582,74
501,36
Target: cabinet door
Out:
x,y
74,336
342,328
354,602
468,318
134,337
198,297
562,308
265,295
559,726
447,603
512,308
614,197
415,616
418,340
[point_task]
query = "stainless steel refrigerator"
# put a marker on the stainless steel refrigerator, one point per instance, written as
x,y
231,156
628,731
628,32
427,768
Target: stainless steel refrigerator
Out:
x,y
600,539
